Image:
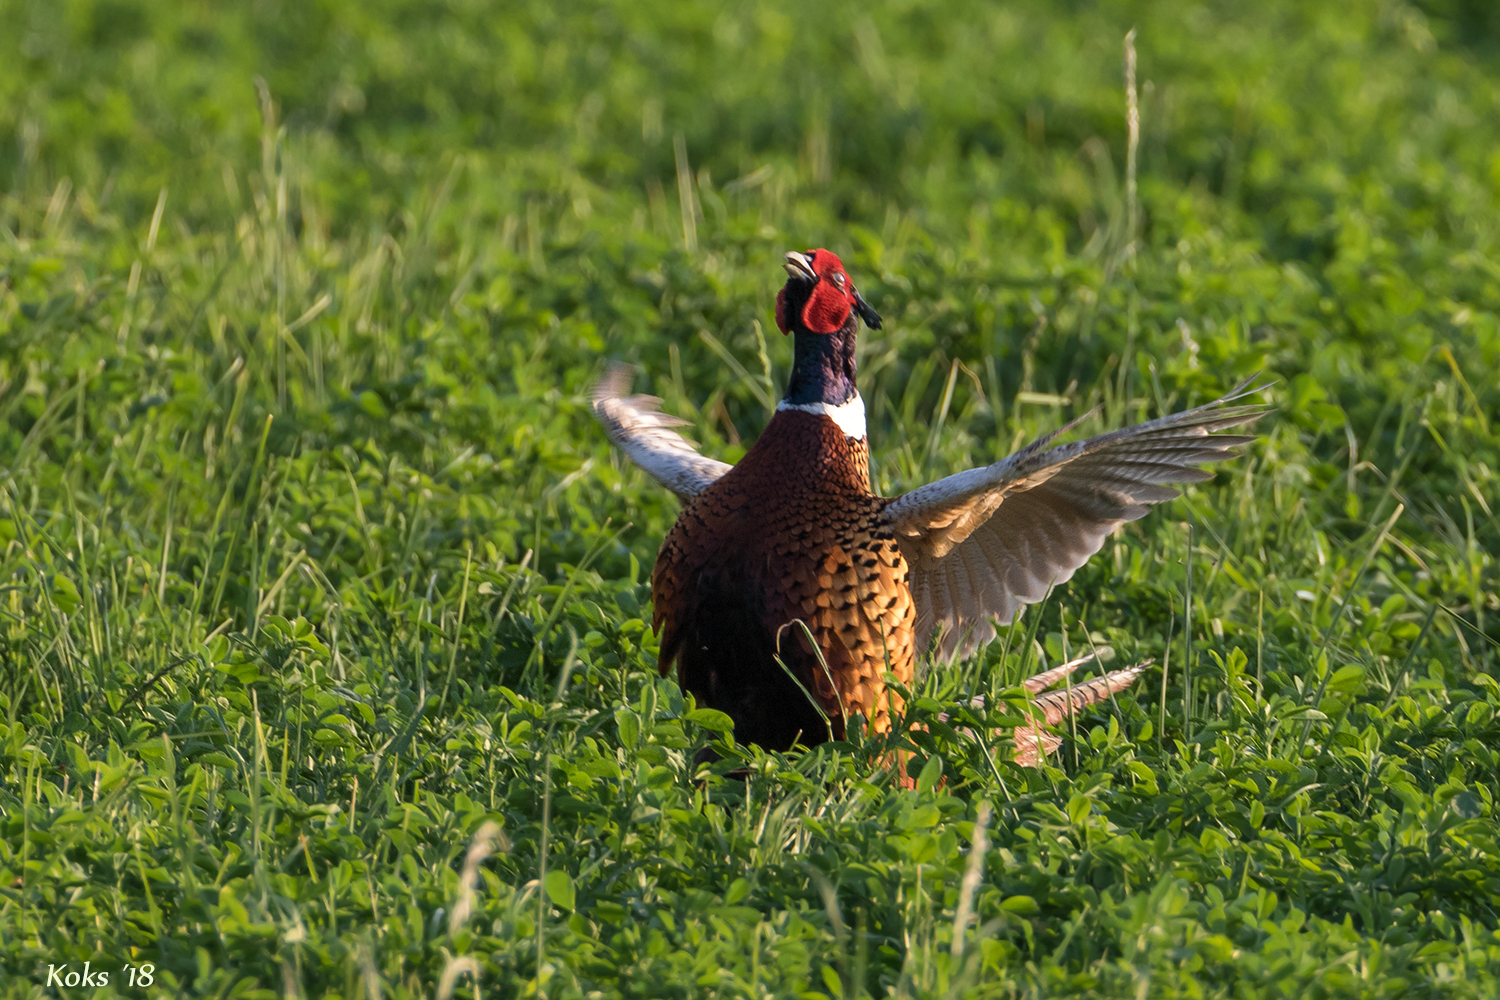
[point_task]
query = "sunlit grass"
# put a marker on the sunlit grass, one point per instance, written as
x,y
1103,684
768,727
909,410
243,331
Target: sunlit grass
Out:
x,y
313,562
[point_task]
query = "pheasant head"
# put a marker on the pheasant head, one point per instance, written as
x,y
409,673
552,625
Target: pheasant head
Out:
x,y
820,307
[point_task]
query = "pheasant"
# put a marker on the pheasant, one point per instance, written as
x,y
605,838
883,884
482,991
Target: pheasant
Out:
x,y
785,580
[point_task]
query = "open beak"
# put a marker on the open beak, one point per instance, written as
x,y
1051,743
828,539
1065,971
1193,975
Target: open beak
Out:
x,y
799,265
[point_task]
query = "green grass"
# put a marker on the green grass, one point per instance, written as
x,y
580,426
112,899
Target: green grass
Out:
x,y
313,562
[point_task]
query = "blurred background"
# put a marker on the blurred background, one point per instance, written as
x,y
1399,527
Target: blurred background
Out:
x,y
448,196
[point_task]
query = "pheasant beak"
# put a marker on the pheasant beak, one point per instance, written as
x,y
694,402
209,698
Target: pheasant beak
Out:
x,y
799,265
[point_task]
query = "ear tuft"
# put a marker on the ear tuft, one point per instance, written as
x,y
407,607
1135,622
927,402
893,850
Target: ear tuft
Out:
x,y
781,320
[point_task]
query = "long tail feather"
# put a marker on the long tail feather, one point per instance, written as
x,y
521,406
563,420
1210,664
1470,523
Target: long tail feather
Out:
x,y
1058,705
1033,742
1052,707
1038,683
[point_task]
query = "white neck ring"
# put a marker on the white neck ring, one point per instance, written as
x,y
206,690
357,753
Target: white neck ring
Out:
x,y
849,416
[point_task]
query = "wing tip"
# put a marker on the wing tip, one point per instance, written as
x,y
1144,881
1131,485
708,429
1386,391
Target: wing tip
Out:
x,y
1244,389
638,427
619,411
613,384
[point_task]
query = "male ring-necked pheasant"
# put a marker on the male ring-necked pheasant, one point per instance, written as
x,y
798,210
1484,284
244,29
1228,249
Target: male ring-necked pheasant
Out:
x,y
793,532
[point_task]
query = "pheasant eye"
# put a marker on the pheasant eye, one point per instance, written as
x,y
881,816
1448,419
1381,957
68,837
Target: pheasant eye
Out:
x,y
838,279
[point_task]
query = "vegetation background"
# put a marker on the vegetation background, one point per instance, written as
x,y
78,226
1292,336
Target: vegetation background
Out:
x,y
313,563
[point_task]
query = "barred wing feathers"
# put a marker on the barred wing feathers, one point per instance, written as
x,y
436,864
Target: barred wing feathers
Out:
x,y
984,542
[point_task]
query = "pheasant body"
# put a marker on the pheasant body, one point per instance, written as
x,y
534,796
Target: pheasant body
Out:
x,y
786,579
792,533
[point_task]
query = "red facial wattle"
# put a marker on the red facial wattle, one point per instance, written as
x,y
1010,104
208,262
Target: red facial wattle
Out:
x,y
830,301
827,308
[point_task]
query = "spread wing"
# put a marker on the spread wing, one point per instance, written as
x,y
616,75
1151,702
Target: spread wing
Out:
x,y
644,433
985,542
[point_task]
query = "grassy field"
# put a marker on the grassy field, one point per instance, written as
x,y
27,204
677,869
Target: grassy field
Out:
x,y
325,658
